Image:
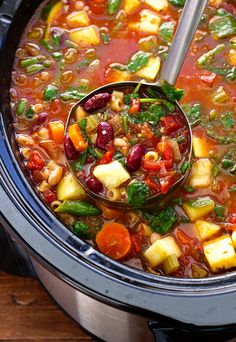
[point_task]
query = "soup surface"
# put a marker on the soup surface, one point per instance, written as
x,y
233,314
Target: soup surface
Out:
x,y
71,47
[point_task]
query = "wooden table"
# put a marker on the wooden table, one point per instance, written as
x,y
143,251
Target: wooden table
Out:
x,y
27,313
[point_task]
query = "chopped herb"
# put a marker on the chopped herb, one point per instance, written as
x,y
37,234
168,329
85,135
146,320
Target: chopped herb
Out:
x,y
138,193
163,221
113,6
138,61
152,116
129,97
46,45
232,188
30,113
50,92
184,167
166,31
177,3
189,189
178,200
78,164
105,37
57,55
193,113
227,120
215,170
82,125
218,213
180,139
56,36
119,156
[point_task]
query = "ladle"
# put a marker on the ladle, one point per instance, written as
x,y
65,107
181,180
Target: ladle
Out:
x,y
188,23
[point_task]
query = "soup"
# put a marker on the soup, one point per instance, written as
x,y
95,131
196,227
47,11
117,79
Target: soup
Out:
x,y
72,47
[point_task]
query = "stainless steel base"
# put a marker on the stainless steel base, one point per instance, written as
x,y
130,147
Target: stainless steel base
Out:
x,y
101,320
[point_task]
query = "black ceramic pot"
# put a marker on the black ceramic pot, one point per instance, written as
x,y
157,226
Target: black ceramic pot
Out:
x,y
109,299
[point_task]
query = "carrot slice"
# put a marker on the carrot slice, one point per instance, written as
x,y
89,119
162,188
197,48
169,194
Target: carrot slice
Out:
x,y
77,138
114,240
56,130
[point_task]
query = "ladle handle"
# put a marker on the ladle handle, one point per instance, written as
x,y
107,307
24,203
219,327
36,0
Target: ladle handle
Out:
x,y
188,23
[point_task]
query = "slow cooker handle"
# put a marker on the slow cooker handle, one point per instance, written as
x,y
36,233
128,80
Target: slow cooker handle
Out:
x,y
161,333
8,9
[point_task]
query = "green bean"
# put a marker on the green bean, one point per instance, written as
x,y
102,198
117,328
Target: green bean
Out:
x,y
113,6
78,208
206,57
28,61
34,68
21,107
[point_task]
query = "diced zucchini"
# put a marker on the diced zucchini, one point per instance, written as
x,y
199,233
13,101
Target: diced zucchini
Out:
x,y
233,236
223,27
232,57
132,5
149,22
54,12
198,207
111,175
151,70
206,229
171,264
69,189
92,123
161,249
85,36
200,148
76,19
221,95
220,253
201,174
160,5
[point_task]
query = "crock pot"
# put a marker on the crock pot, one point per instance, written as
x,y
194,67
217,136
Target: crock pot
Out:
x,y
111,300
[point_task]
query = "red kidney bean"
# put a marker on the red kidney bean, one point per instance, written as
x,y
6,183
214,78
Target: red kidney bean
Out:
x,y
134,158
42,118
96,102
70,150
94,185
105,135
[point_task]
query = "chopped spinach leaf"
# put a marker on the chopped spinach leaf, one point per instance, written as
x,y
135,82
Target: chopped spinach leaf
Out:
x,y
161,222
227,120
129,97
177,3
193,113
73,94
153,115
184,167
81,229
173,94
138,193
105,37
218,213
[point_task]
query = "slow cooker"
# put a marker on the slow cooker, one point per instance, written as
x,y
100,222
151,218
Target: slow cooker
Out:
x,y
112,301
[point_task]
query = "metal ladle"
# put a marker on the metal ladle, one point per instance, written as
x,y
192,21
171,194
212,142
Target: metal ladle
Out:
x,y
188,24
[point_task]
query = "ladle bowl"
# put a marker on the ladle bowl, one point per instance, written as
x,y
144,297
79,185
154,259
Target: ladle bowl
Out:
x,y
189,20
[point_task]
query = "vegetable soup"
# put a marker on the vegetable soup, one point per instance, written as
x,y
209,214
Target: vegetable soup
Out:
x,y
71,47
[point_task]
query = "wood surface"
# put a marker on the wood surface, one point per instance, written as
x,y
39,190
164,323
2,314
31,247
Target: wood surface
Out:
x,y
27,313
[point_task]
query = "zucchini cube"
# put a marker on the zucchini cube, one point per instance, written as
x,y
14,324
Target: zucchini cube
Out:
x,y
201,174
69,189
206,229
85,36
220,253
151,70
111,175
161,249
200,148
198,207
